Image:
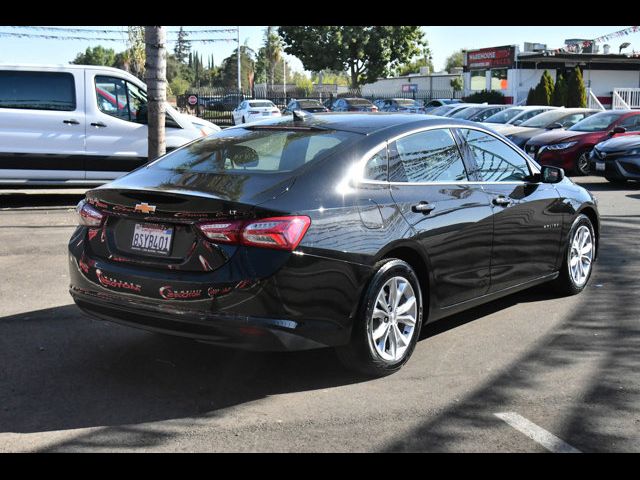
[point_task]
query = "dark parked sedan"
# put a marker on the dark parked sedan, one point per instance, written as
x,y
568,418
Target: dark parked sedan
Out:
x,y
342,230
617,159
353,105
306,105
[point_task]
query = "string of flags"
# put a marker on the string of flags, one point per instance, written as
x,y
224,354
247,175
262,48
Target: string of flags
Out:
x,y
107,31
103,39
573,47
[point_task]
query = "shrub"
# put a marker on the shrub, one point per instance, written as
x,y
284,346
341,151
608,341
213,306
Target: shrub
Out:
x,y
560,92
576,93
489,96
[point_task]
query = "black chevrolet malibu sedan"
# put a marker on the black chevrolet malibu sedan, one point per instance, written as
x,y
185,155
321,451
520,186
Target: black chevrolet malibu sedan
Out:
x,y
342,230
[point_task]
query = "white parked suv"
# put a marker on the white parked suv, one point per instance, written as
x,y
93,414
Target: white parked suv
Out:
x,y
77,124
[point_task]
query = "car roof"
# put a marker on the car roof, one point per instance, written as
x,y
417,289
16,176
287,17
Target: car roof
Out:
x,y
364,123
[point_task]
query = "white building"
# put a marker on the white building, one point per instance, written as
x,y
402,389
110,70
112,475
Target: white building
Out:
x,y
418,85
513,72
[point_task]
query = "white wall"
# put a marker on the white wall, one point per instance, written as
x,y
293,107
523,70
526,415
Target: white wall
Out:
x,y
393,86
604,81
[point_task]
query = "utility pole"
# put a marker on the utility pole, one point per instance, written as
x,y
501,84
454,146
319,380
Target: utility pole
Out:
x,y
239,78
156,78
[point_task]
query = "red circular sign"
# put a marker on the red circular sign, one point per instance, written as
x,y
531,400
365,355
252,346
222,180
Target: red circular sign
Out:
x,y
192,100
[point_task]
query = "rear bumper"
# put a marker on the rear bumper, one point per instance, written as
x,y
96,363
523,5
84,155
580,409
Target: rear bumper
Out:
x,y
308,302
237,331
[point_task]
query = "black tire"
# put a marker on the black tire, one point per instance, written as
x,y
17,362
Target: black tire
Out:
x,y
565,283
360,354
617,181
582,166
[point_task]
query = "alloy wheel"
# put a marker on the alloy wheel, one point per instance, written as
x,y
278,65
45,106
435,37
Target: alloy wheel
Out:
x,y
392,323
581,255
583,164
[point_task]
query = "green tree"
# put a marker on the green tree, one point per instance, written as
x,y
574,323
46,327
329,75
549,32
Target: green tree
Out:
x,y
576,93
96,56
457,84
367,53
183,46
560,92
229,69
136,51
531,97
179,86
330,77
456,59
543,92
303,82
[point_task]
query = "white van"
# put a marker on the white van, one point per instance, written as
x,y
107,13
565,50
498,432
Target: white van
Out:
x,y
78,124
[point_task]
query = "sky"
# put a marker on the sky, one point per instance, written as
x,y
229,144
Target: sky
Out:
x,y
443,40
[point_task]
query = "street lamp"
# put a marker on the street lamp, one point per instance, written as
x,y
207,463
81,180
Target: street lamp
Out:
x,y
623,46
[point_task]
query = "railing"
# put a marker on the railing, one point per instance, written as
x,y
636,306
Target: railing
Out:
x,y
627,98
593,101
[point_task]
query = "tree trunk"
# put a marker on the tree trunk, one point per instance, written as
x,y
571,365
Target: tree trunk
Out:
x,y
354,76
156,78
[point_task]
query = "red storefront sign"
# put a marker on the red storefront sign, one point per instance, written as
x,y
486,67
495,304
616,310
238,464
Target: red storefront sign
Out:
x,y
491,58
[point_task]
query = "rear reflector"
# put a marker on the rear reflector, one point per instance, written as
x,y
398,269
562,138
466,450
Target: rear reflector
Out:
x,y
282,233
88,215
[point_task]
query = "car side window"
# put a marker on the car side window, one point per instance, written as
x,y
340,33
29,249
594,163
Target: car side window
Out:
x,y
496,161
429,156
377,167
37,90
632,124
111,94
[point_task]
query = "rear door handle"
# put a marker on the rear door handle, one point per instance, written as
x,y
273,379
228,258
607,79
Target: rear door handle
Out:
x,y
422,207
73,121
502,201
98,124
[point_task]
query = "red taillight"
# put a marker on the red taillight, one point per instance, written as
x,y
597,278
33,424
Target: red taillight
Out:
x,y
88,215
222,232
282,233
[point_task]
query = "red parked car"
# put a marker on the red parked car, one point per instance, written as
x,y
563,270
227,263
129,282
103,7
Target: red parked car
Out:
x,y
570,148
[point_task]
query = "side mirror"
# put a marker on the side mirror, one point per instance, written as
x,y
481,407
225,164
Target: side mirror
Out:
x,y
517,122
551,174
554,126
617,130
142,116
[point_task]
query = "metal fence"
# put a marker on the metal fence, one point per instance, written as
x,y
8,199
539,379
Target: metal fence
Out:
x,y
216,104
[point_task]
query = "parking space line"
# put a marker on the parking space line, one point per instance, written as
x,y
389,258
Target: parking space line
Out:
x,y
536,433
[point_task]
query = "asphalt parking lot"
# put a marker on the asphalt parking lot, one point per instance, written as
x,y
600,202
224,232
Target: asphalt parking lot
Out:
x,y
528,373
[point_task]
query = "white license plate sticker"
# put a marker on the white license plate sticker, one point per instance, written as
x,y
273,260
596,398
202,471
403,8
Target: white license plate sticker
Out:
x,y
600,166
151,238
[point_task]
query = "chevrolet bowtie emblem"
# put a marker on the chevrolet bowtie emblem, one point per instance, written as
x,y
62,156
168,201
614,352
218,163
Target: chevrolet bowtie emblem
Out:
x,y
145,208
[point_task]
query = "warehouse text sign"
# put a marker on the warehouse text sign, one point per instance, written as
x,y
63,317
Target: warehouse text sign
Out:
x,y
491,57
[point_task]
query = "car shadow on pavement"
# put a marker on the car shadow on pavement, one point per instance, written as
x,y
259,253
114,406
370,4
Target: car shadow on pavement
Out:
x,y
580,380
61,370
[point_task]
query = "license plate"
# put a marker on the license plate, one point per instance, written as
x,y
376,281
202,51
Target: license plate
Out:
x,y
150,238
266,114
600,166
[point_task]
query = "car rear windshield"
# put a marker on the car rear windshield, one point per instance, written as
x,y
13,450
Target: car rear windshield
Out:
x,y
595,123
240,150
466,112
358,101
261,104
442,110
310,104
504,116
406,103
545,119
